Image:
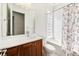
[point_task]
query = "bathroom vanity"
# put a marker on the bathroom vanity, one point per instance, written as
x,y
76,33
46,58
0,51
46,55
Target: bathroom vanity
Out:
x,y
33,48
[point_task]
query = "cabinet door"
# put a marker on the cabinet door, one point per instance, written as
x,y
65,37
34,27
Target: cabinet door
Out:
x,y
34,49
26,49
39,47
12,51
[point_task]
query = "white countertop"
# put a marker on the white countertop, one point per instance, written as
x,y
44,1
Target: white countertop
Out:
x,y
8,43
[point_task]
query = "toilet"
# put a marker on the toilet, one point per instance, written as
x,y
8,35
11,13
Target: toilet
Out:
x,y
49,48
52,50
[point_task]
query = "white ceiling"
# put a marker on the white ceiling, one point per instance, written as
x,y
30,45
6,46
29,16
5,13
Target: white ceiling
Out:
x,y
42,5
50,5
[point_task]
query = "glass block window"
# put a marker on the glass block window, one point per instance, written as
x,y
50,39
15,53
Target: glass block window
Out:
x,y
50,25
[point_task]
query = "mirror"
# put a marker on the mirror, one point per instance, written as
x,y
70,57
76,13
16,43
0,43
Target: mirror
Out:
x,y
15,22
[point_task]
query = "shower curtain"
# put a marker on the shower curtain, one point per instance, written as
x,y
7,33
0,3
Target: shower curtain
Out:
x,y
71,29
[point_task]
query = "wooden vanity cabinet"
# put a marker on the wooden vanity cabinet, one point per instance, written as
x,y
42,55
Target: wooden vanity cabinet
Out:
x,y
32,49
12,51
29,49
26,49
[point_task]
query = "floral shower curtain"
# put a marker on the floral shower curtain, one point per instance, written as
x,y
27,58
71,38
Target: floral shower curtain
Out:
x,y
71,29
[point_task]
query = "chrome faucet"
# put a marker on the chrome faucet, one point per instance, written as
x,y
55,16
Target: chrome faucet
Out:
x,y
27,32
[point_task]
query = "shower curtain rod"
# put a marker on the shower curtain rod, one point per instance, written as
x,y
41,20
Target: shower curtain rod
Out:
x,y
62,7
